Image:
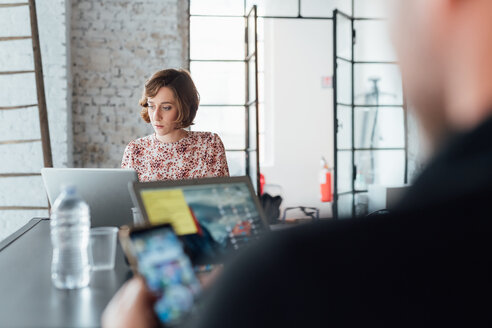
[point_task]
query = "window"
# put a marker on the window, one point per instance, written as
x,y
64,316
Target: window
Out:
x,y
219,66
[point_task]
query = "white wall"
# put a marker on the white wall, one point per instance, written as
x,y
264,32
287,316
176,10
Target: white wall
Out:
x,y
298,53
24,123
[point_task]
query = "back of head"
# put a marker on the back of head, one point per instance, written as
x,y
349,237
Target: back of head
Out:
x,y
444,47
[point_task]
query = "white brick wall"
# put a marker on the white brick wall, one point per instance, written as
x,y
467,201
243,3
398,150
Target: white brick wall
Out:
x,y
116,46
23,123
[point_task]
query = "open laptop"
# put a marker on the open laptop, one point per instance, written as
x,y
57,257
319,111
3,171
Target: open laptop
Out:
x,y
212,216
105,190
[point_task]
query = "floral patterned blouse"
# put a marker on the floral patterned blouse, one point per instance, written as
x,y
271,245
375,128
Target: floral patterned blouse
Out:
x,y
199,155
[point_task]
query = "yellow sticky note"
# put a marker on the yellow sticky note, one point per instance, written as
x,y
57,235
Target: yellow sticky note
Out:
x,y
169,206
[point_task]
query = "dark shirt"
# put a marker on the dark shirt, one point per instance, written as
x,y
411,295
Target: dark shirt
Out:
x,y
426,264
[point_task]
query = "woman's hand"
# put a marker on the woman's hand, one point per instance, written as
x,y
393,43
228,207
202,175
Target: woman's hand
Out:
x,y
132,306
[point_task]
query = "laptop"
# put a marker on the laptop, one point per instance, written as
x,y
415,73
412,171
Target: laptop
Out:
x,y
105,190
212,216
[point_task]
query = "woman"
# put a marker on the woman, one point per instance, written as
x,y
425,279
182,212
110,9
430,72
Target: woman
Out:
x,y
169,102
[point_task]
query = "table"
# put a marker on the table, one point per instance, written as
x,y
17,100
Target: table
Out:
x,y
27,296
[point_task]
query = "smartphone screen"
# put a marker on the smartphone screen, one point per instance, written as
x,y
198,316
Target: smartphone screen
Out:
x,y
167,271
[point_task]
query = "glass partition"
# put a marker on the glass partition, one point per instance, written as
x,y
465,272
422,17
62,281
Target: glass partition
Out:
x,y
370,142
224,66
344,113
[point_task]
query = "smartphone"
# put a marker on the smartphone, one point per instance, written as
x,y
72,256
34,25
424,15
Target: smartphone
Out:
x,y
156,253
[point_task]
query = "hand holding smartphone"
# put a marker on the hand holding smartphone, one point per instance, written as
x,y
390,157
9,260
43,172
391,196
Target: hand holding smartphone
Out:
x,y
156,253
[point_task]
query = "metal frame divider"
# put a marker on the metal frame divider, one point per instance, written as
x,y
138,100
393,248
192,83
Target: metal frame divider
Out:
x,y
249,148
248,103
353,107
335,84
254,10
334,207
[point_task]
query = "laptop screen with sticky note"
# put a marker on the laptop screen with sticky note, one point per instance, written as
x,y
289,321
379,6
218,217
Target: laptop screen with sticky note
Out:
x,y
212,216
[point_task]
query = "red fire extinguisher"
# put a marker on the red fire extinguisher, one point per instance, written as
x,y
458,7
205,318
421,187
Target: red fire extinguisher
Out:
x,y
262,183
325,182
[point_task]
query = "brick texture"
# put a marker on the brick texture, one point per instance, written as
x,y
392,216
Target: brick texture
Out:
x,y
116,45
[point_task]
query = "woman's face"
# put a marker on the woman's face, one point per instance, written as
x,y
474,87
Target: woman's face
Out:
x,y
163,111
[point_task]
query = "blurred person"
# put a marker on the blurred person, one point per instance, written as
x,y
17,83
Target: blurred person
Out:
x,y
428,263
169,102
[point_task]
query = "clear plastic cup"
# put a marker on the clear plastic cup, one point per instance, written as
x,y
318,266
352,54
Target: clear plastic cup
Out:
x,y
103,248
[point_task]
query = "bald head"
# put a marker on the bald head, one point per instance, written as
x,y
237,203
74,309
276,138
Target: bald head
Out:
x,y
445,51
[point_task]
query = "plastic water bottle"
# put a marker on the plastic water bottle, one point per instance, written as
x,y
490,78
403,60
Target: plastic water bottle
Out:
x,y
70,232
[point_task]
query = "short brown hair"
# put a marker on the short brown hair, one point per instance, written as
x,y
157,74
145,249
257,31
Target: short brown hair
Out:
x,y
180,82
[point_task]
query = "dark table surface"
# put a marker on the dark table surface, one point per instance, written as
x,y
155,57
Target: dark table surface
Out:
x,y
29,299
